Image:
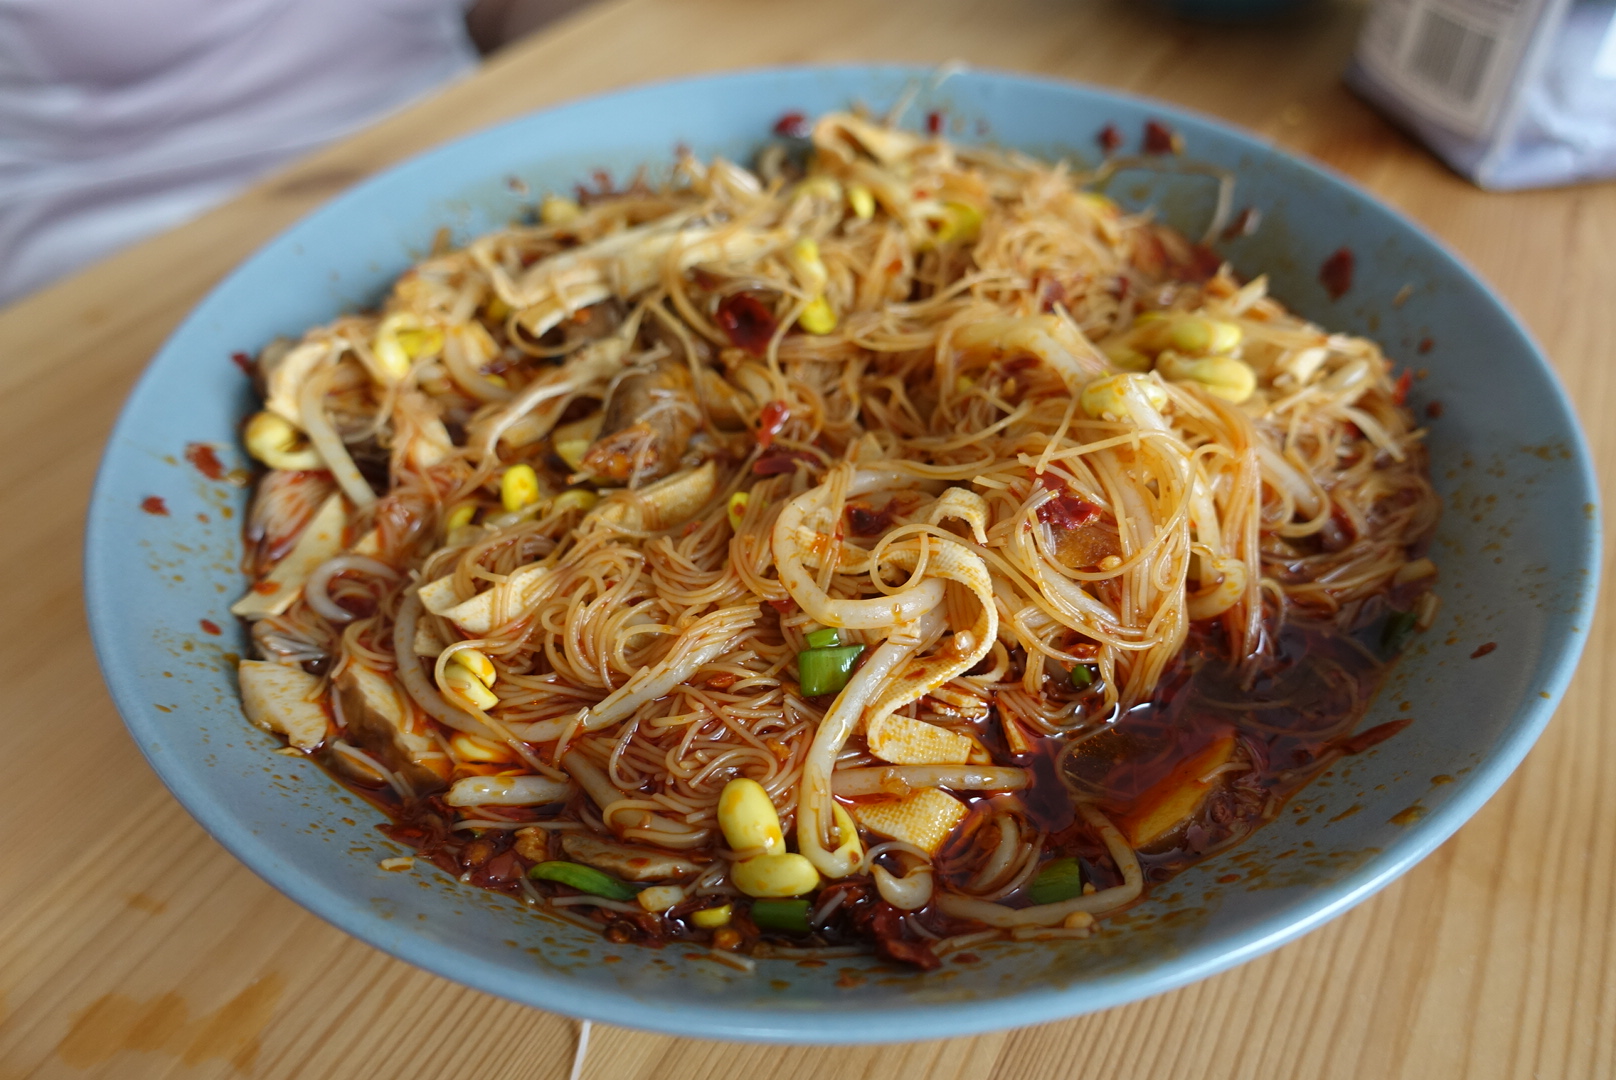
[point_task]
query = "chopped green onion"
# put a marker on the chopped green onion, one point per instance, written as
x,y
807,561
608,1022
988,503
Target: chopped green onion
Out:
x,y
826,671
789,915
584,879
1082,677
1395,634
1060,879
824,638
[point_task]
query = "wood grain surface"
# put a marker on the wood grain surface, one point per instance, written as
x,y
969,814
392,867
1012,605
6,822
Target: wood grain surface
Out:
x,y
132,946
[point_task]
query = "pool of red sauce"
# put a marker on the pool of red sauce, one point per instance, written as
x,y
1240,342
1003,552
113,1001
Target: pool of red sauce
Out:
x,y
1290,719
1336,273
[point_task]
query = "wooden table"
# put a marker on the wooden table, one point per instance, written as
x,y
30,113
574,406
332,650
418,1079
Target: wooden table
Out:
x,y
132,946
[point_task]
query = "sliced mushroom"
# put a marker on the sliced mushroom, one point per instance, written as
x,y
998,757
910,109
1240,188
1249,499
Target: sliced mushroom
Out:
x,y
283,699
646,426
321,539
379,720
282,507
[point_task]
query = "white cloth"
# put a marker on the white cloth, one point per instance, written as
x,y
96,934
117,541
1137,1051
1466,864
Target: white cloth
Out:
x,y
120,118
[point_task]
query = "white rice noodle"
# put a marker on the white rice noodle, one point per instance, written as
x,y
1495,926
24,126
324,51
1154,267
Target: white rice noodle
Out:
x,y
400,786
314,590
1283,476
585,900
620,809
327,443
814,816
416,682
1049,933
900,780
910,892
707,639
794,531
965,941
1133,883
828,908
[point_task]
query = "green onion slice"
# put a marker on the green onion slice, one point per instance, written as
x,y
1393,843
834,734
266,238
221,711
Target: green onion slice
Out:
x,y
1060,879
826,671
1395,634
791,915
584,879
824,638
1082,677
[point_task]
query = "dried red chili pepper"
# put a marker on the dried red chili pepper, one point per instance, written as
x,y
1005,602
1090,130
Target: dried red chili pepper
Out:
x,y
772,418
1405,383
747,322
867,521
1068,512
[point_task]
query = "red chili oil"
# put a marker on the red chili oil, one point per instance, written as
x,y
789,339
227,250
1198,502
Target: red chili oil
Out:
x,y
771,419
1291,720
792,125
205,460
1161,139
1336,273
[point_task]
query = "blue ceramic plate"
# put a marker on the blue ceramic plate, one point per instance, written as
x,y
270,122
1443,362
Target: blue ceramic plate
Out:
x,y
1517,550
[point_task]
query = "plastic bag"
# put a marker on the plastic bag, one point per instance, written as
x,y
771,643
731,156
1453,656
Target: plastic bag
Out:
x,y
1510,93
